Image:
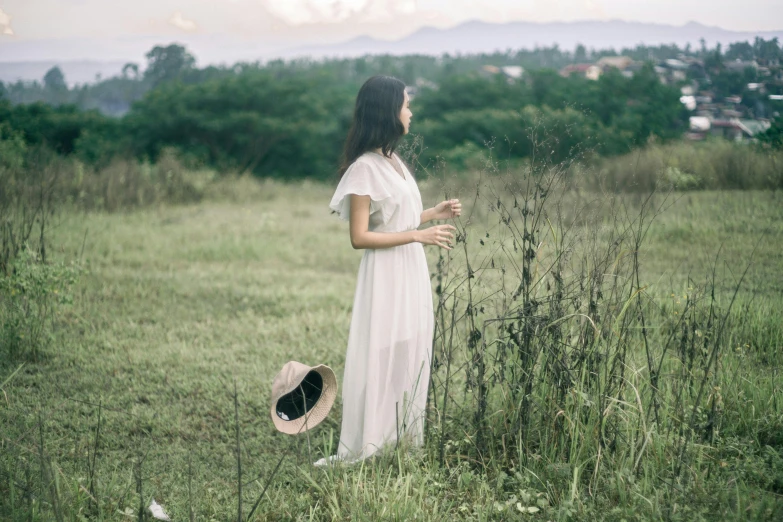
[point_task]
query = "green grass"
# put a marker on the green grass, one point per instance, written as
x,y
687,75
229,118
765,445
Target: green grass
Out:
x,y
180,302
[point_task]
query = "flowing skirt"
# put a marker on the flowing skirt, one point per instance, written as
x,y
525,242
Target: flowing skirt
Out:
x,y
387,364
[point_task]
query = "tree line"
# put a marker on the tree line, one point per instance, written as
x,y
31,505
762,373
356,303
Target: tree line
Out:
x,y
287,119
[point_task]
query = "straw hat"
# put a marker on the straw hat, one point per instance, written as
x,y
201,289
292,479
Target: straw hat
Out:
x,y
302,396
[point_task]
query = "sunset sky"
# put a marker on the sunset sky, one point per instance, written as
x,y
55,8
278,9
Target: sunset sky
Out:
x,y
280,24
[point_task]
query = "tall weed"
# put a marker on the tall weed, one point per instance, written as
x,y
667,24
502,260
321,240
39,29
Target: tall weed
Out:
x,y
555,354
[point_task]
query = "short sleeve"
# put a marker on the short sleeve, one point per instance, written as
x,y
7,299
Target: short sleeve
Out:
x,y
362,179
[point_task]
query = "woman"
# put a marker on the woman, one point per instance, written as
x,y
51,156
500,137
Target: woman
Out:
x,y
387,365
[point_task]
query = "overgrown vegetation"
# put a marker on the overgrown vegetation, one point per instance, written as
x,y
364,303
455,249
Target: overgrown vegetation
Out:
x,y
558,355
36,187
30,287
715,164
598,355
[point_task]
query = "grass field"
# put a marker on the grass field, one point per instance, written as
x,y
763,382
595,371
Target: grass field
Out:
x,y
181,304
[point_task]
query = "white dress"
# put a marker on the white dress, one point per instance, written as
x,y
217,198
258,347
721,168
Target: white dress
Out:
x,y
387,364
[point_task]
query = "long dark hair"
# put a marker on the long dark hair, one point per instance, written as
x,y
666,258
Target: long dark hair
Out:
x,y
376,119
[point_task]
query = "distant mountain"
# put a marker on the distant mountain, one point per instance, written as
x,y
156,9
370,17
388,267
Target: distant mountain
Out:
x,y
31,60
479,37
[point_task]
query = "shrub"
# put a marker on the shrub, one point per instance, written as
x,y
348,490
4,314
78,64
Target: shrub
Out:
x,y
29,298
714,164
774,135
125,184
30,192
465,156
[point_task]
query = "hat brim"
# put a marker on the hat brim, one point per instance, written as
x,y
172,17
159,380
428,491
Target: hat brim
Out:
x,y
318,412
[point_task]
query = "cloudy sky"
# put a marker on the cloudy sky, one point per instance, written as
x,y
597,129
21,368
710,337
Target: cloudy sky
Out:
x,y
281,24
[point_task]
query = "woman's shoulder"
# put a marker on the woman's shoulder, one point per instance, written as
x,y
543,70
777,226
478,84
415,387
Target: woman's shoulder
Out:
x,y
373,163
363,163
367,158
374,159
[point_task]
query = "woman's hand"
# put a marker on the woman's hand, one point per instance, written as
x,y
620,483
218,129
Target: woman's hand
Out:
x,y
448,209
438,235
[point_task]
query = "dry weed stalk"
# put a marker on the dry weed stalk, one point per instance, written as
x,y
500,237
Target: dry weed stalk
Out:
x,y
545,322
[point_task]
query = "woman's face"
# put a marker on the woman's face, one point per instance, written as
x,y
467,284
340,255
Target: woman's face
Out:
x,y
405,112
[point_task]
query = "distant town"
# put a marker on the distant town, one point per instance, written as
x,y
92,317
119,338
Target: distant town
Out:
x,y
734,95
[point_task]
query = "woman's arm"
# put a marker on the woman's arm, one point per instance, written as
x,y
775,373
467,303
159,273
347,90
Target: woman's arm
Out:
x,y
361,237
448,209
427,215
